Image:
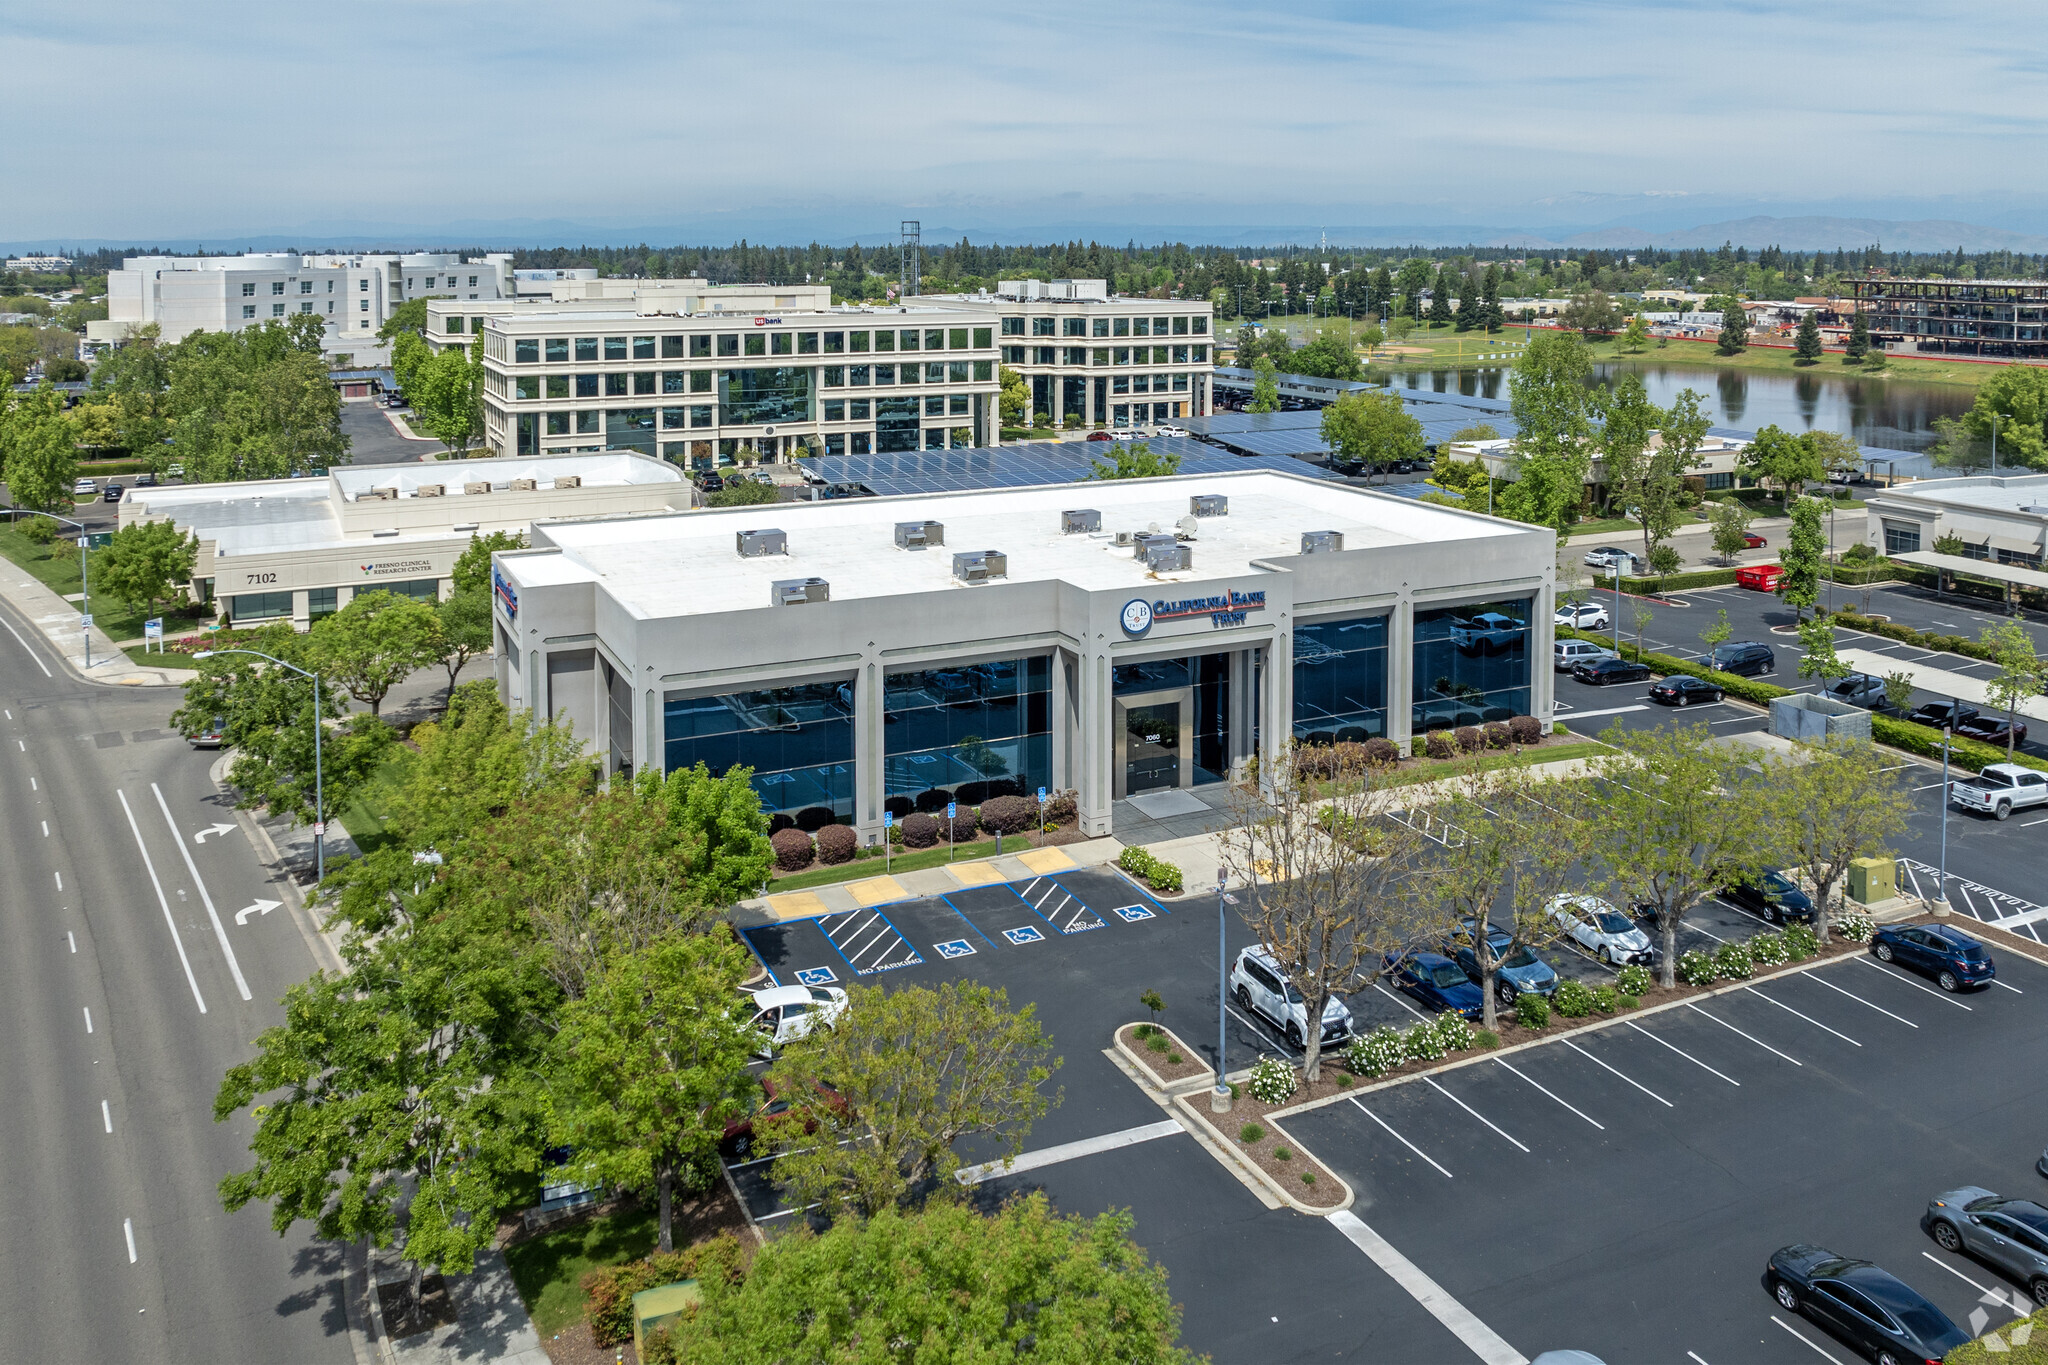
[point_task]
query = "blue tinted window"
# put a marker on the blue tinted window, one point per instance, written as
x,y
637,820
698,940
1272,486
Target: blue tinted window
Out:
x,y
1340,680
1471,663
984,729
797,740
766,395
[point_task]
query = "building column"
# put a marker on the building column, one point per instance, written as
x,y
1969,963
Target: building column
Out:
x,y
1060,705
1542,676
869,748
1401,675
1276,727
1242,716
648,746
1094,752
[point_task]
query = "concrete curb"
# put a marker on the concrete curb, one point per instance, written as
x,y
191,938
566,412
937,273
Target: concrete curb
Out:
x,y
29,597
1255,1175
1206,1081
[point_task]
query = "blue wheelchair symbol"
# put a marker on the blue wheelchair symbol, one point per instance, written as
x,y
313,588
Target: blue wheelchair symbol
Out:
x,y
1131,914
958,947
1022,936
815,976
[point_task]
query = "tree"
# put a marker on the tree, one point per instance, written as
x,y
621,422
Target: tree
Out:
x,y
1332,880
1637,334
1836,803
1832,453
1635,478
1372,427
446,391
1591,314
914,1071
374,643
1370,336
1681,818
1805,544
410,316
2013,401
1717,634
1440,298
1898,690
465,629
728,856
2020,673
1807,345
1734,328
1328,357
473,566
38,451
1134,461
1818,658
253,404
143,562
1265,386
1015,397
948,1284
1789,461
1479,431
742,493
1553,408
1859,339
409,351
1728,524
651,1064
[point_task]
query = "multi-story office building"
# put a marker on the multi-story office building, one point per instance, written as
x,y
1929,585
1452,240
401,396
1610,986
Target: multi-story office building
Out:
x,y
352,294
452,321
1958,317
704,388
1100,359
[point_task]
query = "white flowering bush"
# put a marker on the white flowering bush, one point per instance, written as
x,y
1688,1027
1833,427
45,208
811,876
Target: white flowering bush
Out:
x,y
1767,949
1634,979
1377,1053
1272,1080
1453,1030
1424,1044
1732,961
1696,968
1855,928
1800,942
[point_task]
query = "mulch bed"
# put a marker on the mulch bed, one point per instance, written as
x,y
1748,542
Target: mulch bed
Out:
x,y
576,1346
1297,1172
1161,1064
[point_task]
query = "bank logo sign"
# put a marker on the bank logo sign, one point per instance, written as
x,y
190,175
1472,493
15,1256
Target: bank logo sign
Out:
x,y
1137,616
506,593
1223,609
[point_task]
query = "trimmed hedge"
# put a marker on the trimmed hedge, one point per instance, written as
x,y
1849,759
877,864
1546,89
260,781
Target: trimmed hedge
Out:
x,y
919,830
1007,815
1921,639
1699,578
608,1291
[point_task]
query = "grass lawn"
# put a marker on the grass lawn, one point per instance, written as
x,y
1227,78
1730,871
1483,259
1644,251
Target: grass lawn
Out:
x,y
549,1268
115,618
368,810
167,659
913,861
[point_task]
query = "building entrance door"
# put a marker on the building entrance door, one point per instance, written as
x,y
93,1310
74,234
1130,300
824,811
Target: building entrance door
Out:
x,y
1154,741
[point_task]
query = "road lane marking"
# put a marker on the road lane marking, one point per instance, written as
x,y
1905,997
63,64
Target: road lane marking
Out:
x,y
1461,1321
219,930
32,785
1916,985
2014,989
1470,1110
1603,1066
31,654
1068,1151
1681,1052
1997,1296
60,880
128,1227
1788,1327
88,1017
1818,980
1697,1356
1732,1029
1807,1017
1403,1141
106,1116
70,940
1595,1122
176,938
46,829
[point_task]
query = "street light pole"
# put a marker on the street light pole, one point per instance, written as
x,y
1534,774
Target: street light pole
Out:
x,y
1617,606
1219,1098
84,573
319,786
1940,906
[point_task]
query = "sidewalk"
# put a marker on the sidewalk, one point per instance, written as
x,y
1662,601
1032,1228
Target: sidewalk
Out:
x,y
57,621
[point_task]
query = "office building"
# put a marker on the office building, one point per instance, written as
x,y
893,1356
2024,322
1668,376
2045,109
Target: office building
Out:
x,y
1999,518
1958,317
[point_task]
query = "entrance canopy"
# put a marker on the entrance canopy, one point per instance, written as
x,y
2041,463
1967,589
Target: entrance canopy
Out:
x,y
1977,568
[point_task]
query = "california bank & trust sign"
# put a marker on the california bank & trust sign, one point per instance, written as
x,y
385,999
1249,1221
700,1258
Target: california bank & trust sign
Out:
x,y
1224,609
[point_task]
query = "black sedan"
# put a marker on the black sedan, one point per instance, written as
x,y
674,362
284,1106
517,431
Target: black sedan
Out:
x,y
1773,896
1682,689
1601,672
1881,1314
1937,714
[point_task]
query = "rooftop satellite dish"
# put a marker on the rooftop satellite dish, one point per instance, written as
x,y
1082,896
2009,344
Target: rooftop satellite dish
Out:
x,y
1152,528
1186,526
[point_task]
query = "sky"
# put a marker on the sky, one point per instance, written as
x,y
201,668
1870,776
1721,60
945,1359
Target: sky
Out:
x,y
781,122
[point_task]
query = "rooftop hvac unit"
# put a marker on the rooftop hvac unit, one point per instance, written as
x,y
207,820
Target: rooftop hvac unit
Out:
x,y
1321,542
568,481
381,494
1164,554
1144,541
429,490
1079,520
480,486
979,566
919,535
525,485
794,592
1209,505
755,544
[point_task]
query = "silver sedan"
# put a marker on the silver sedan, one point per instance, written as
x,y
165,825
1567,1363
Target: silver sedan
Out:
x,y
2009,1234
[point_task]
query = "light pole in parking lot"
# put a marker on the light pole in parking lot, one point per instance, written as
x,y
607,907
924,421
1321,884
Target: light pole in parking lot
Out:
x,y
1615,567
1940,906
1219,1098
319,796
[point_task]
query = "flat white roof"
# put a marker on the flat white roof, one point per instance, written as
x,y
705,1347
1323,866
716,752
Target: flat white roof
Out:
x,y
2027,493
610,468
688,565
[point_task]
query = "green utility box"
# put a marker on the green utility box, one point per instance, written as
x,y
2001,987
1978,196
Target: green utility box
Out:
x,y
655,1308
1872,880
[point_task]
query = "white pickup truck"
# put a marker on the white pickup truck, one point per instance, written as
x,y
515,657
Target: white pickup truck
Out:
x,y
2000,789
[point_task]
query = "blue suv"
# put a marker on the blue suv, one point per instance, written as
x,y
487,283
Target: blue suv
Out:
x,y
1950,956
1437,982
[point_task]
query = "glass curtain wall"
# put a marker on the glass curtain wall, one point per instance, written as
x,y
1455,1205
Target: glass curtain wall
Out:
x,y
630,429
766,396
1209,676
896,425
1340,681
798,741
967,733
1471,664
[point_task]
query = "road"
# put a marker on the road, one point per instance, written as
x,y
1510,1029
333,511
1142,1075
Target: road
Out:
x,y
127,987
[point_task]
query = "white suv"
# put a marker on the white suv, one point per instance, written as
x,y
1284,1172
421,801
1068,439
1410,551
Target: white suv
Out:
x,y
1261,988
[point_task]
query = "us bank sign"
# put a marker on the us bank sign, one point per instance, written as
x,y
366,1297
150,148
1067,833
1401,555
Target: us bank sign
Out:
x,y
1225,609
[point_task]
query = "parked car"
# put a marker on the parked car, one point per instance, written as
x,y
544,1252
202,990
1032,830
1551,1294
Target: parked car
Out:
x,y
1950,956
1942,713
174,471
213,735
1168,429
2009,1234
1885,1317
1774,896
1682,689
84,488
145,480
1583,616
1488,632
1100,436
1437,982
1123,434
1601,672
1601,930
1745,659
2000,789
1565,653
710,482
1515,972
740,1132
113,493
1992,729
1263,989
1752,541
1857,689
1607,556
783,1014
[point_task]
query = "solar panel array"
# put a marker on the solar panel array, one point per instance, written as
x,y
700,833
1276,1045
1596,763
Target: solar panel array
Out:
x,y
1020,466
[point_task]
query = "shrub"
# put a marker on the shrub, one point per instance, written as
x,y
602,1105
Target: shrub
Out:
x,y
1174,1059
1343,1080
919,830
1272,1080
1251,1132
1308,1177
811,819
1487,1039
1627,1001
899,806
1163,876
608,1292
1531,1010
1453,1030
1526,730
793,849
1379,753
1696,968
1314,763
1573,999
1604,999
1855,928
1731,960
1282,1154
1469,739
1157,1042
1800,942
1634,979
1767,949
1062,807
1439,745
1008,815
1377,1053
837,844
933,798
960,828
1497,736
1422,1043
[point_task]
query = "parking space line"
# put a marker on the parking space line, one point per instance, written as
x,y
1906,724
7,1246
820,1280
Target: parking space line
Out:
x,y
1459,1320
1470,1110
1681,1052
1403,1141
1068,1151
1820,980
1260,1029
784,1213
1807,1017
1914,984
1788,1327
1697,1356
966,921
1399,1001
1732,1029
1581,1113
2010,1300
1603,1066
2014,989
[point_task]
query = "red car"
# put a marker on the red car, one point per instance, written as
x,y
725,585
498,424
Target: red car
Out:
x,y
1752,541
1098,436
740,1131
1989,729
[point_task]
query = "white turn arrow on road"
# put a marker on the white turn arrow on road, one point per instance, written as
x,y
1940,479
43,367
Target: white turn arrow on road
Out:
x,y
200,837
261,907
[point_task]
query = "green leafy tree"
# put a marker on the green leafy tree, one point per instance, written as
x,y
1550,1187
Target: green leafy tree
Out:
x,y
374,643
410,316
38,449
446,391
1817,645
2021,674
728,855
1265,386
464,624
742,493
1835,804
1859,339
1636,478
1728,526
143,563
1372,427
1805,546
1806,346
1637,334
1592,315
1719,633
1791,462
1832,453
1440,314
135,377
1135,461
473,566
1898,690
409,351
1478,431
1734,326
1019,1285
1014,398
2016,396
915,1070
1328,357
650,1064
1553,409
253,404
